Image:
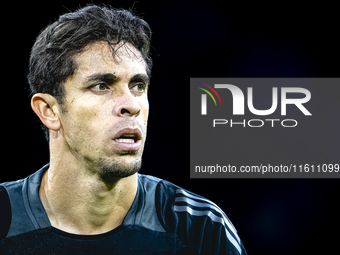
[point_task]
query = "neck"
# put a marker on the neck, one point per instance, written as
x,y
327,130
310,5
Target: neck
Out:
x,y
81,201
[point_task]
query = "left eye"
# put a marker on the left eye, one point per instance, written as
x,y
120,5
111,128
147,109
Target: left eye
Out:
x,y
139,88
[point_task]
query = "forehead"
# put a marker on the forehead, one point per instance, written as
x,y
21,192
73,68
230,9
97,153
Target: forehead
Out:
x,y
99,57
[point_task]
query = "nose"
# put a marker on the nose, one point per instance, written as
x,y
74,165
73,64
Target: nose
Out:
x,y
126,106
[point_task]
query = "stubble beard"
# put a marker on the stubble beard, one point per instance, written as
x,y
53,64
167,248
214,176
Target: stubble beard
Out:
x,y
118,168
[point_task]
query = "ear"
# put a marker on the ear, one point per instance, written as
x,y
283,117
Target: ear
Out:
x,y
46,107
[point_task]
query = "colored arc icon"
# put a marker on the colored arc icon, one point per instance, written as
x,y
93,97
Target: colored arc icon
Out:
x,y
213,90
209,95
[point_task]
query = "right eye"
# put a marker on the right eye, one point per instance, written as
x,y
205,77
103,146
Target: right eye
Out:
x,y
99,87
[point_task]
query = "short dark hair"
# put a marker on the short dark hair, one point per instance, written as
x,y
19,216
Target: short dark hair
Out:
x,y
52,55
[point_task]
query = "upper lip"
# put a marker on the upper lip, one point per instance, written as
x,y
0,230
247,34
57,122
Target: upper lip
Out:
x,y
129,131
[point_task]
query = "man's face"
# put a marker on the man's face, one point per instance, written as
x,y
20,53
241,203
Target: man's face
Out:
x,y
105,113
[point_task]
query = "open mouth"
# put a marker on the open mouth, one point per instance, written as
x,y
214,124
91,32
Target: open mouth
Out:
x,y
126,138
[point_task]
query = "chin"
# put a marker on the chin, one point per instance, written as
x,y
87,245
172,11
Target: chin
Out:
x,y
118,168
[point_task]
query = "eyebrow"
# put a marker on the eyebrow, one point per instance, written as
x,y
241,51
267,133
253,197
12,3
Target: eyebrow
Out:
x,y
140,77
110,78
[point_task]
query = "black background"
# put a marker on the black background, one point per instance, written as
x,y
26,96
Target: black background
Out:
x,y
198,39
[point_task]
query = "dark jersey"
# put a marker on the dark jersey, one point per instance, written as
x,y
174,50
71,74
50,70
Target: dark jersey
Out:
x,y
163,219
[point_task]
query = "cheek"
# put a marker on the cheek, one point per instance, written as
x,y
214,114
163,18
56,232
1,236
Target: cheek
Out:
x,y
82,124
144,104
145,110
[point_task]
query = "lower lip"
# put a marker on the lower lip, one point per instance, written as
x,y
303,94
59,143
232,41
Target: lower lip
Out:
x,y
128,146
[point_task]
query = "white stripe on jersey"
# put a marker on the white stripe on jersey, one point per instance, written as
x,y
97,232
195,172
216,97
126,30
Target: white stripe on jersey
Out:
x,y
214,206
207,203
213,217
